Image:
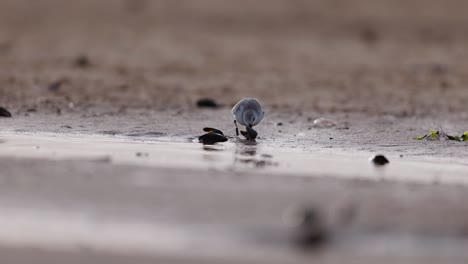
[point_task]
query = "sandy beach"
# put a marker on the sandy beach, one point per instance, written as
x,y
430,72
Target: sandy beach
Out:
x,y
101,161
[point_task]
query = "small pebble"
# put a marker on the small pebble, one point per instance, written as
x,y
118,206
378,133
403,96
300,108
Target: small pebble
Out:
x,y
4,112
324,123
379,160
279,124
207,102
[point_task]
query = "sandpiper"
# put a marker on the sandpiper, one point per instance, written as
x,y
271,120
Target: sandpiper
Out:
x,y
248,112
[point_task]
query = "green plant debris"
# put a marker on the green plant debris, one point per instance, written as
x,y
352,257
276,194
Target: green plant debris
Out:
x,y
441,135
464,137
434,135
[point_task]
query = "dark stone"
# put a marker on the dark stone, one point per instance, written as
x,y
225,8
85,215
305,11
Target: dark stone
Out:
x,y
279,124
4,112
379,160
207,102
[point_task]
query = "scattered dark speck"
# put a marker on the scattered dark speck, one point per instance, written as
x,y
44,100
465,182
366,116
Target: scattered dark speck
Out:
x,y
55,86
141,154
401,156
438,68
109,132
369,35
331,138
279,124
69,127
31,110
207,102
4,112
379,160
267,156
82,61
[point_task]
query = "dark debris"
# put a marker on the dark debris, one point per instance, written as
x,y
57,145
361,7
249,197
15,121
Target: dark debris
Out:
x,y
250,133
4,112
379,160
207,103
212,136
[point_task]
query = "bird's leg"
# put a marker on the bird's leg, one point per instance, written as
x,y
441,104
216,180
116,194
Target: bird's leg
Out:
x,y
237,129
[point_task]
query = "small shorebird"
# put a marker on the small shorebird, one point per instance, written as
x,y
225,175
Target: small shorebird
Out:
x,y
247,112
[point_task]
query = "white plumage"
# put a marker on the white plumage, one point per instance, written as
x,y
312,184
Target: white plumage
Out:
x,y
248,112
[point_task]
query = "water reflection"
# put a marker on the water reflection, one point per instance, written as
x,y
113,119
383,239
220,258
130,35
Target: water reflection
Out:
x,y
247,153
212,148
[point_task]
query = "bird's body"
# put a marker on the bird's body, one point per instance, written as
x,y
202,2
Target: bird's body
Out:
x,y
247,112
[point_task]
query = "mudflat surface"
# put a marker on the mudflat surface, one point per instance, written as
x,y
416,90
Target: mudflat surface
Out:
x,y
100,162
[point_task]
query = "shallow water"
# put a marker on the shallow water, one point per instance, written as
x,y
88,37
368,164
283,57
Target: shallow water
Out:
x,y
236,155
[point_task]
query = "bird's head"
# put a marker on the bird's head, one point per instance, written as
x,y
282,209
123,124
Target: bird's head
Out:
x,y
250,118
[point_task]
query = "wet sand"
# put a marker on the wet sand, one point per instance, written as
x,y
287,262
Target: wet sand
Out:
x,y
83,208
99,163
160,197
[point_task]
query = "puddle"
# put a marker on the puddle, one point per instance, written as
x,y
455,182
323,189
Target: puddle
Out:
x,y
231,155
